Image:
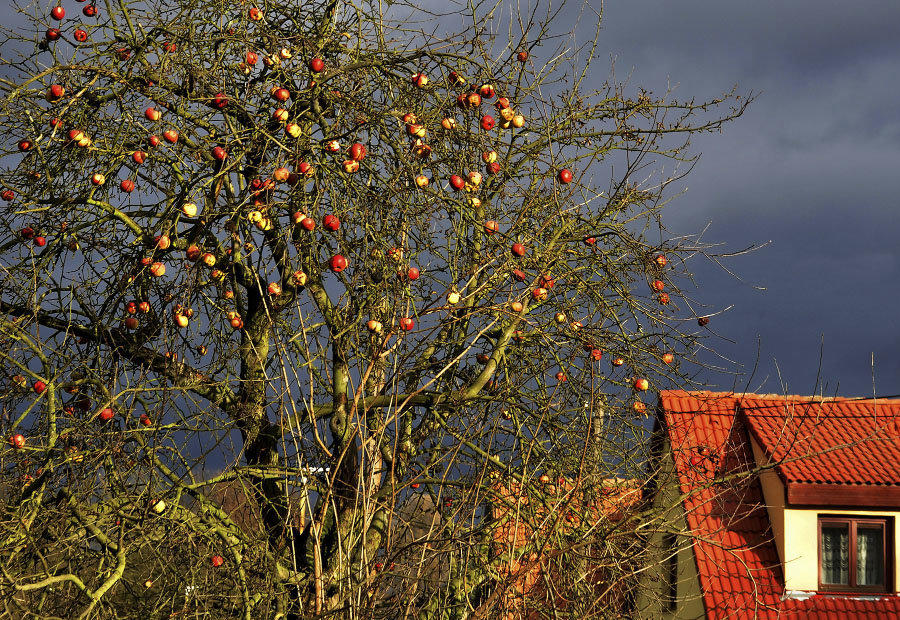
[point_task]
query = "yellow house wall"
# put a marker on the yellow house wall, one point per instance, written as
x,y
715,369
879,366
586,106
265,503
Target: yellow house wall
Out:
x,y
802,573
796,530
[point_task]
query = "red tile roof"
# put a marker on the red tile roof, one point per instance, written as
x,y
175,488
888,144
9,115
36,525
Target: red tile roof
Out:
x,y
736,559
834,441
740,574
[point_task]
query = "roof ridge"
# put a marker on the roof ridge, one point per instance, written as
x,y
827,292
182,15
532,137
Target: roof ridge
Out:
x,y
774,396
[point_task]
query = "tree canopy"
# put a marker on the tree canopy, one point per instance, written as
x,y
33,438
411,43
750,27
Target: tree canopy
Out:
x,y
293,294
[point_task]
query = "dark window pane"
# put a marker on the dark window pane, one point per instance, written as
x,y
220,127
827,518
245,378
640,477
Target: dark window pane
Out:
x,y
869,555
836,554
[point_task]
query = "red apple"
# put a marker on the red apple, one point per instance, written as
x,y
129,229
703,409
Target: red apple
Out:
x,y
491,226
220,101
55,92
152,114
106,414
143,307
317,65
90,10
39,387
251,58
298,278
17,441
406,324
564,176
27,233
192,253
217,561
145,420
337,263
8,195
158,269
237,322
487,122
331,222
138,157
518,275
40,241
80,35
171,136
127,186
281,94
274,289
308,223
53,34
208,259
522,56
561,377
590,240
487,91
457,182
703,321
668,358
357,151
98,178
420,80
518,249
153,140
57,13
413,273
255,15
618,361
663,298
131,323
219,153
641,384
661,260
540,293
493,168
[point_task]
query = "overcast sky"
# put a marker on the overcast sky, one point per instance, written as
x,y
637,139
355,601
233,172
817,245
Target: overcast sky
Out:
x,y
813,167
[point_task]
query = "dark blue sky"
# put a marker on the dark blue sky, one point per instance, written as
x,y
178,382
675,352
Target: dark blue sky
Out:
x,y
813,167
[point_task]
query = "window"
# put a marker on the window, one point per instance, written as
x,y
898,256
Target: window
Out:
x,y
854,553
670,547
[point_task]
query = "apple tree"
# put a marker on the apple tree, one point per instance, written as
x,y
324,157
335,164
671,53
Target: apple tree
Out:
x,y
293,294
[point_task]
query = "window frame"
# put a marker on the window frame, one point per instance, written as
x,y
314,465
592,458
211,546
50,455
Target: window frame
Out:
x,y
852,522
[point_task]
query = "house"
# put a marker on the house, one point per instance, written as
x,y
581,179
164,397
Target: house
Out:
x,y
561,526
773,506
